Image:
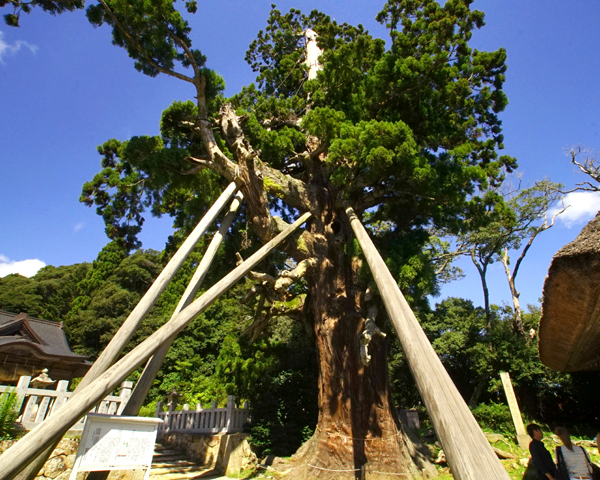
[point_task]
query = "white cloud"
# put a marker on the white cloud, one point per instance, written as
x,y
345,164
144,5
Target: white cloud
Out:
x,y
27,268
10,49
78,227
583,206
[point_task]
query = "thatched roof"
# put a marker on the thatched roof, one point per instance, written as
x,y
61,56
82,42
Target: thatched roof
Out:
x,y
569,334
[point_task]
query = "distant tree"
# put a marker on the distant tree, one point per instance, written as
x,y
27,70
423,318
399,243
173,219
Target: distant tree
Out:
x,y
484,239
48,294
20,294
284,395
457,330
58,288
531,207
588,165
509,223
502,224
108,259
112,288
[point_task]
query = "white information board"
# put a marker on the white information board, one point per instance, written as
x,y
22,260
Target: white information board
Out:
x,y
112,442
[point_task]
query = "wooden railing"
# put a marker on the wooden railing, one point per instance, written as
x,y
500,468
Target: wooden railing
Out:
x,y
37,404
228,419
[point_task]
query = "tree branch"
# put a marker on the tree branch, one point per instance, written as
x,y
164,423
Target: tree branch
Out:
x,y
588,167
139,48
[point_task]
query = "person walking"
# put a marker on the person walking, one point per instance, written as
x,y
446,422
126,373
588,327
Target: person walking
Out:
x,y
572,458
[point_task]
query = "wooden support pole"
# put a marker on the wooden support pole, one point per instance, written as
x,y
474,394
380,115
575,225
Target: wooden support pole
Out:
x,y
469,454
112,351
522,438
153,366
13,460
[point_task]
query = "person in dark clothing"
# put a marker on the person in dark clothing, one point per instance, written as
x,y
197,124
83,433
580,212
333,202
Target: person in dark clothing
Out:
x,y
540,457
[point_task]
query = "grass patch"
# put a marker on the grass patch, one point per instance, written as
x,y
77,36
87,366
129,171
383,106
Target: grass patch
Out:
x,y
517,468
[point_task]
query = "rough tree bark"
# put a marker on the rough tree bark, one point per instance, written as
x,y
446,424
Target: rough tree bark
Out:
x,y
357,425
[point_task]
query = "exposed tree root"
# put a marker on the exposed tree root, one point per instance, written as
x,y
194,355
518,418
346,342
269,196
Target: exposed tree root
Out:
x,y
334,455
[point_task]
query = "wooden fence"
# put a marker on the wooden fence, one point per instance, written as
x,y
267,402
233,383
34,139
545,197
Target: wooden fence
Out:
x,y
37,404
213,420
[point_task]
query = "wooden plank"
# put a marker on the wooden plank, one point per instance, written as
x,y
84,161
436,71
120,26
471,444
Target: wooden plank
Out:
x,y
469,454
123,335
16,458
112,351
522,437
42,409
152,368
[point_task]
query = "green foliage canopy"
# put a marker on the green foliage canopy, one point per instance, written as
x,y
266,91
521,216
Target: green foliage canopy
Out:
x,y
53,7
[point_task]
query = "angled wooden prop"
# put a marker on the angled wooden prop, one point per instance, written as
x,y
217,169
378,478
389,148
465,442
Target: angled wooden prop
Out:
x,y
18,456
112,351
145,381
142,386
469,454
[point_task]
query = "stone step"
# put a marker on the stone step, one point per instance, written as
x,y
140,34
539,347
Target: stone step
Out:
x,y
177,469
178,463
170,463
165,451
181,476
169,458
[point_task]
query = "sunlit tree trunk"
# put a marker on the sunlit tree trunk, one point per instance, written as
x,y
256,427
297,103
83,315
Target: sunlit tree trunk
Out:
x,y
357,424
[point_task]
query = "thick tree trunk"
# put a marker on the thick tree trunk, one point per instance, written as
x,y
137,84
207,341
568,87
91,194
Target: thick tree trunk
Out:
x,y
357,425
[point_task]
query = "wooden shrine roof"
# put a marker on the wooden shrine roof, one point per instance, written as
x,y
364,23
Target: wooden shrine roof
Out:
x,y
44,339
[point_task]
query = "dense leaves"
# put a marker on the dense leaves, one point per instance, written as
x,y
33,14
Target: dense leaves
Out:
x,y
471,351
53,7
112,288
47,295
154,33
284,398
149,173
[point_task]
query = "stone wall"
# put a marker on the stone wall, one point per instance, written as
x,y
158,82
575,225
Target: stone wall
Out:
x,y
227,453
60,463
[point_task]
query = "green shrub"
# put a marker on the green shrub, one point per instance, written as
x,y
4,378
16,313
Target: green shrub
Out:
x,y
495,417
148,410
8,414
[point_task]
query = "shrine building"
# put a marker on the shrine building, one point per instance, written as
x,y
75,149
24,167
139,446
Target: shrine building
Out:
x,y
28,345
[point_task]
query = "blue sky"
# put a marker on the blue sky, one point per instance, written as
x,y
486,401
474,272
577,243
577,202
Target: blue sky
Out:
x,y
66,89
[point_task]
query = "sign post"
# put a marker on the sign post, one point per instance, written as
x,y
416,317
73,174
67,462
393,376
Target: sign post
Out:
x,y
116,443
